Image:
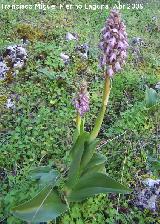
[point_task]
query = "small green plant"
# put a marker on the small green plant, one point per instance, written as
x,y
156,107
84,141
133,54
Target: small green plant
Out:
x,y
154,164
86,175
151,97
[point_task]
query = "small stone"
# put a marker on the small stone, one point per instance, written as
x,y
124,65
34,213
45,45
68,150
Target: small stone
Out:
x,y
157,86
137,41
10,104
3,70
25,41
70,36
64,57
154,18
83,50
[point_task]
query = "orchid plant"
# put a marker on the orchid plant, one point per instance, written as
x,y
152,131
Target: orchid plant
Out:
x,y
86,175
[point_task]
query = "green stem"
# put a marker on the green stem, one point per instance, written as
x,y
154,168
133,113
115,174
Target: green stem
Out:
x,y
99,120
78,122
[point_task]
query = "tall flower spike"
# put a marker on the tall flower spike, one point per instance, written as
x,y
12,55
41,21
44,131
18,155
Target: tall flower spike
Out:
x,y
81,102
114,47
113,44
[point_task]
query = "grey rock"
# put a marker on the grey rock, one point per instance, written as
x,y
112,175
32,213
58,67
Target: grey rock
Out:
x,y
148,196
158,86
65,58
151,183
70,36
83,50
3,70
15,57
137,41
10,104
19,64
15,52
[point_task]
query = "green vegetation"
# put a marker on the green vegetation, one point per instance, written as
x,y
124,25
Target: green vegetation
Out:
x,y
39,130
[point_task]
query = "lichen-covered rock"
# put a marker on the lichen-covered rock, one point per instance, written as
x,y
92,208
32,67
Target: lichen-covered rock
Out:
x,y
13,60
3,70
148,196
15,53
10,103
83,50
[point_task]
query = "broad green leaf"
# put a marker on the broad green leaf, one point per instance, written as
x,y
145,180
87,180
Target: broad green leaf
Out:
x,y
75,137
96,164
95,183
74,171
45,206
44,174
151,97
81,138
89,149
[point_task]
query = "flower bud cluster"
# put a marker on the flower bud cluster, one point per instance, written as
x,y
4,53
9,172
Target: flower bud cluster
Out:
x,y
113,44
81,102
